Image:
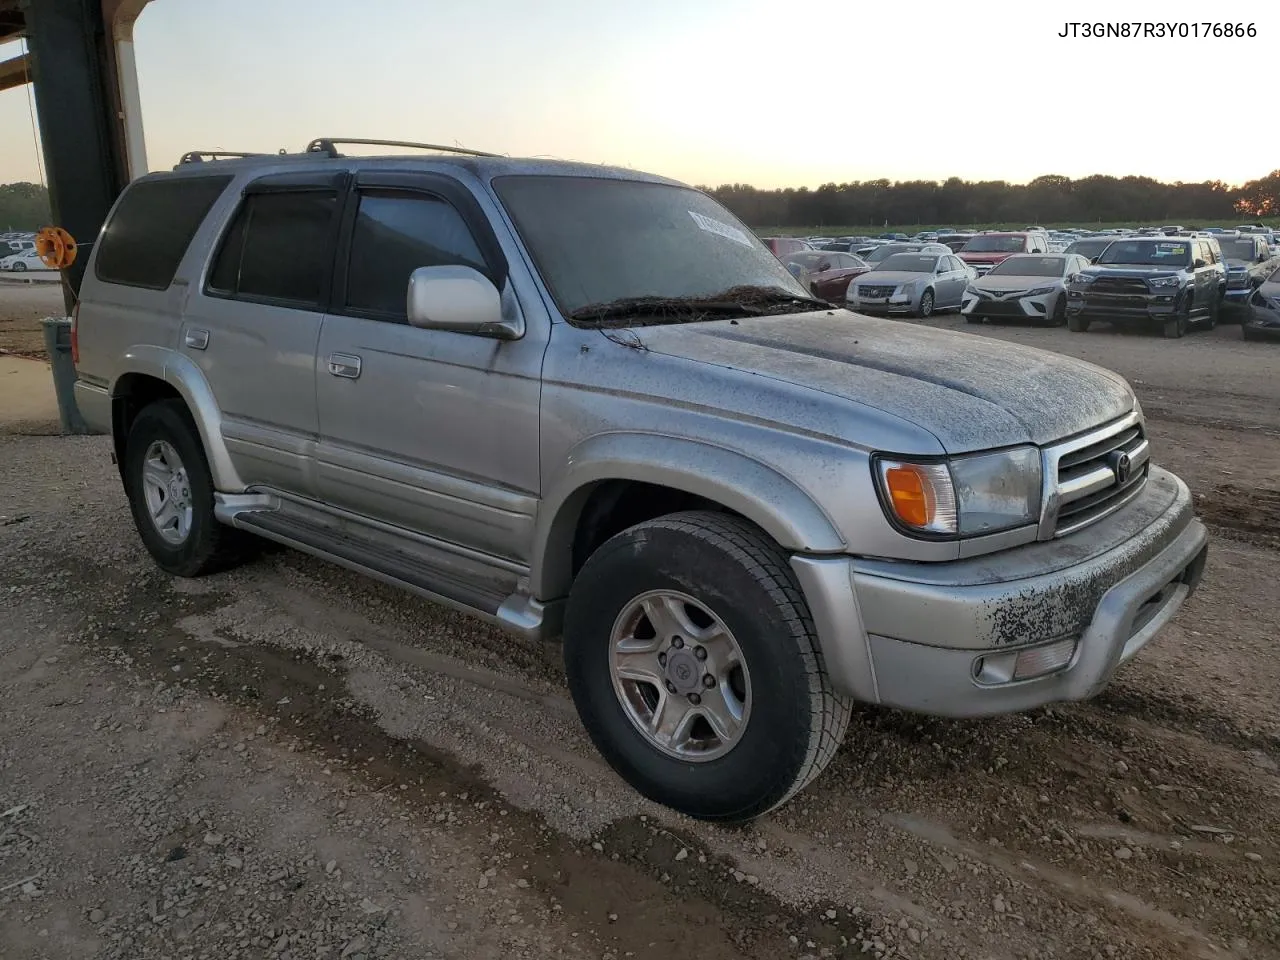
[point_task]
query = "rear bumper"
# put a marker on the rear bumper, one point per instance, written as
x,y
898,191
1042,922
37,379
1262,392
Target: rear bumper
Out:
x,y
944,639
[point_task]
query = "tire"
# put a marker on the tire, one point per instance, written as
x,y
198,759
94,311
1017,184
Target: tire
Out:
x,y
974,318
19,267
791,719
1059,315
924,309
1078,324
1246,333
1177,327
164,435
1215,309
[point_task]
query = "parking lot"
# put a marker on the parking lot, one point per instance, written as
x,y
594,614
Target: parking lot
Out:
x,y
292,760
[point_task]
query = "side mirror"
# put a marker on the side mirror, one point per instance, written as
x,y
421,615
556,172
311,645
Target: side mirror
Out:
x,y
1256,282
1198,264
461,299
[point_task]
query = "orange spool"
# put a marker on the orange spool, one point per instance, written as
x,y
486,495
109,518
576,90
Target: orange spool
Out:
x,y
56,248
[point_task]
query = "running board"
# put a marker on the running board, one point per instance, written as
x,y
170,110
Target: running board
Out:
x,y
490,593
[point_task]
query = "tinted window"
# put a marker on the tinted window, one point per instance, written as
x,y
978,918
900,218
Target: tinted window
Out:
x,y
395,235
909,263
1029,266
278,248
150,231
995,244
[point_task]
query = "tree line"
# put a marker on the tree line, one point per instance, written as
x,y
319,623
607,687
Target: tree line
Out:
x,y
23,206
1047,199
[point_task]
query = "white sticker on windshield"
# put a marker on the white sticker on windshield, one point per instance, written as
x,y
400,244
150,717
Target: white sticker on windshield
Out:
x,y
721,229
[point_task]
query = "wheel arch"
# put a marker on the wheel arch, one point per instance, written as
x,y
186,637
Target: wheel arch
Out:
x,y
707,474
154,373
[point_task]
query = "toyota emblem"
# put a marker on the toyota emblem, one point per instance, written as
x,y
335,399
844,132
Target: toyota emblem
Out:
x,y
1122,466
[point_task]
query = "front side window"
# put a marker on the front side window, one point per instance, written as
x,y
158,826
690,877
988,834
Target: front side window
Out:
x,y
277,248
394,235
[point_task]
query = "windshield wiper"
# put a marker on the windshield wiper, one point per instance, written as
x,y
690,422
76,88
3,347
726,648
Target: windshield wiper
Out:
x,y
736,302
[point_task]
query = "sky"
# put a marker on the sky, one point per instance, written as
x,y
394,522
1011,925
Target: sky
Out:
x,y
710,91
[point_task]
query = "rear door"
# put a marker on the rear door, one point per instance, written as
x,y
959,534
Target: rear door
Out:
x,y
430,430
253,327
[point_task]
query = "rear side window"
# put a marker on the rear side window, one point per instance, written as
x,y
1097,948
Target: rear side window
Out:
x,y
277,248
148,235
394,235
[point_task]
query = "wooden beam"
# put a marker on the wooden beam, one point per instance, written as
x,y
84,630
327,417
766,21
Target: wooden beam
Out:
x,y
15,72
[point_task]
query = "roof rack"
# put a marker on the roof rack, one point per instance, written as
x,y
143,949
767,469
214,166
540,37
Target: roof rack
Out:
x,y
199,156
329,145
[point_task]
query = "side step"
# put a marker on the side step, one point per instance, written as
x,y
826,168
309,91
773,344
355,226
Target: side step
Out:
x,y
491,593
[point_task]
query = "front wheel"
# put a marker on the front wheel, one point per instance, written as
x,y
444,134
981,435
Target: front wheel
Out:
x,y
974,318
1176,327
1059,315
19,267
925,308
1215,308
1077,324
693,662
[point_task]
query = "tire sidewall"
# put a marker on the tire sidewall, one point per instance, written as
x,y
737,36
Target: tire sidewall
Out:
x,y
169,422
762,767
925,313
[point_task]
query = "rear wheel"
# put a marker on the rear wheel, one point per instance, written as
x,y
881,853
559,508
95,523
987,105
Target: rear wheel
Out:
x,y
693,661
925,308
170,489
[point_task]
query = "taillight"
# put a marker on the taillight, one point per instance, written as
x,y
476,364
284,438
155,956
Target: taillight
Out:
x,y
75,339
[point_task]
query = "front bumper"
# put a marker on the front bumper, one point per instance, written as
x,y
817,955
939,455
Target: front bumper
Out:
x,y
1124,306
926,637
1035,308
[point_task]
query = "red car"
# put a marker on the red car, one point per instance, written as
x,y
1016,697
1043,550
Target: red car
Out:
x,y
987,249
828,273
783,247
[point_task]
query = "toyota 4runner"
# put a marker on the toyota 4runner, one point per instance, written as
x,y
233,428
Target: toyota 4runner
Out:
x,y
586,402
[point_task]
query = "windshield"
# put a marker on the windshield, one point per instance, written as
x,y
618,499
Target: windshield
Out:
x,y
1029,267
598,241
889,249
909,263
995,245
1148,253
1090,248
1237,249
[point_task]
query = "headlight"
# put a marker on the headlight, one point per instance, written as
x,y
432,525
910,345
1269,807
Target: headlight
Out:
x,y
965,496
1084,278
1039,291
1164,282
906,289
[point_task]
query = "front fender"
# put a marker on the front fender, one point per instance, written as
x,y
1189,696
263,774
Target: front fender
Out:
x,y
758,492
181,373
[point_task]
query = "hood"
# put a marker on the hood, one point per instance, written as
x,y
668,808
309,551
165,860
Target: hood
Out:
x,y
1014,282
883,278
984,256
972,393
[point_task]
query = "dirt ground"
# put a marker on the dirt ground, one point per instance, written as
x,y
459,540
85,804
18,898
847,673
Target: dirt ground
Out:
x,y
22,307
292,761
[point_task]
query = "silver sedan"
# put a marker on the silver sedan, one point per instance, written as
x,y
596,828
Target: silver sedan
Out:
x,y
912,283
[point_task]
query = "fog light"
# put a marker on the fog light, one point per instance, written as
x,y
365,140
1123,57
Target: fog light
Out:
x,y
1037,661
1026,664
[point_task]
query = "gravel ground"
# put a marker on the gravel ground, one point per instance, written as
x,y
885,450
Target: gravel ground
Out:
x,y
22,307
291,761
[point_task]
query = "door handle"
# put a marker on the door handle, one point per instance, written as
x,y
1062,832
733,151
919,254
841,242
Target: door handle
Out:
x,y
344,365
196,339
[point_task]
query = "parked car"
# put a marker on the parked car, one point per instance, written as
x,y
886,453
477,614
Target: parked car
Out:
x,y
741,510
1090,247
781,247
954,241
887,250
22,262
1168,282
987,249
914,283
1247,257
827,274
1262,322
1024,286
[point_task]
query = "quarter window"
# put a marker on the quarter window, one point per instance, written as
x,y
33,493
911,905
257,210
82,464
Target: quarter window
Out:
x,y
396,234
278,248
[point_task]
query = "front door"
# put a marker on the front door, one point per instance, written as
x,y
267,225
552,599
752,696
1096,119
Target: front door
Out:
x,y
429,430
252,328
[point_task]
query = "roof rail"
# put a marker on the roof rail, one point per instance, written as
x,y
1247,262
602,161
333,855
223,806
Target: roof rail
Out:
x,y
329,145
199,156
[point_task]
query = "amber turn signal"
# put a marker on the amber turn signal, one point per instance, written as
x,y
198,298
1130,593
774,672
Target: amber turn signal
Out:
x,y
920,495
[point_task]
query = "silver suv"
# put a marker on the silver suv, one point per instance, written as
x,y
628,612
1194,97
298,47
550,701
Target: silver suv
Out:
x,y
588,402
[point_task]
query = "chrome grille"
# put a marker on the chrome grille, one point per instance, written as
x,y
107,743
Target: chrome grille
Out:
x,y
874,292
1095,475
1119,285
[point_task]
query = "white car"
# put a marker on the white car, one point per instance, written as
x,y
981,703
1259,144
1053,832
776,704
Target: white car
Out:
x,y
21,262
1026,286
